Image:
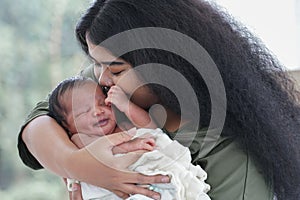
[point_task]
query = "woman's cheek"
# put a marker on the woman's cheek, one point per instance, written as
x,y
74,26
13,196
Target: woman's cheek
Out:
x,y
97,72
129,82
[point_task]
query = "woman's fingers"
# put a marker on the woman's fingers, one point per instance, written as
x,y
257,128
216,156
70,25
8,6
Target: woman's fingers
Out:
x,y
143,190
142,179
120,194
69,192
143,182
129,188
76,192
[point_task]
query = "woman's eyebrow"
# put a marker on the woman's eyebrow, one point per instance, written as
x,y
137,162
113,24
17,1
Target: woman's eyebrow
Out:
x,y
112,63
109,63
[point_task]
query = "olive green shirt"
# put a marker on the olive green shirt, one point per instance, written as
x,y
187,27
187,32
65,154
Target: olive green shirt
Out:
x,y
232,173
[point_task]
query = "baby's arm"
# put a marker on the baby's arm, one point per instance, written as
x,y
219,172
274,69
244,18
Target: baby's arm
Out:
x,y
137,144
138,116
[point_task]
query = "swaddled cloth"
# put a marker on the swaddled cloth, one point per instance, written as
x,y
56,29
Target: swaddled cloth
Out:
x,y
169,158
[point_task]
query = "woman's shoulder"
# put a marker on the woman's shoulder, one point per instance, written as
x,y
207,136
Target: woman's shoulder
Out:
x,y
232,172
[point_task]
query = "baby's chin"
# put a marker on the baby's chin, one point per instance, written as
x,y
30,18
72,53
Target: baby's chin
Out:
x,y
101,132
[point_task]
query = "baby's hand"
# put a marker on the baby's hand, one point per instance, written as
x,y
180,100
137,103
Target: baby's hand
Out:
x,y
137,144
117,97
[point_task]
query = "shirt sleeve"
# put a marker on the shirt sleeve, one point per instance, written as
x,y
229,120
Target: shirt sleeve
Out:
x,y
232,174
25,155
42,108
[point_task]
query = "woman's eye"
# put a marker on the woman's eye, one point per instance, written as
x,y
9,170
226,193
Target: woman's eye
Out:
x,y
116,73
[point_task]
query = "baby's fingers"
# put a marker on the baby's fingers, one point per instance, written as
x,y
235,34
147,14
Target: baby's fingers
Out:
x,y
120,194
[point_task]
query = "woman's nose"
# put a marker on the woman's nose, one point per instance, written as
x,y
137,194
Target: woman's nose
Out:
x,y
105,78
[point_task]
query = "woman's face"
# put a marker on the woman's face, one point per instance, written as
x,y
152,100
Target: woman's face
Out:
x,y
111,70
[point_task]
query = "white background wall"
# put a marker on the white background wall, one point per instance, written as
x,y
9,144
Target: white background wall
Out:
x,y
276,22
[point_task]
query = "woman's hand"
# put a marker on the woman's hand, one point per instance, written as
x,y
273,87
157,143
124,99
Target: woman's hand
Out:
x,y
75,193
111,172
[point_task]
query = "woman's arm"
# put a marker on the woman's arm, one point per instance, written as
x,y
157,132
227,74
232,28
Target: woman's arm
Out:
x,y
81,140
49,143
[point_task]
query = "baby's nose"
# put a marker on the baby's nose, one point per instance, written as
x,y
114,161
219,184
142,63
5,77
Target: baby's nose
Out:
x,y
98,111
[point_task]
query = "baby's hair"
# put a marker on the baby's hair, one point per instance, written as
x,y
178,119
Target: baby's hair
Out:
x,y
57,109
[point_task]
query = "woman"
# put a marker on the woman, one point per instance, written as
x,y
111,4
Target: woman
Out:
x,y
257,154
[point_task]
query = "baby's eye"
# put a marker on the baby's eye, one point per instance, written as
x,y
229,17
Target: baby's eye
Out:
x,y
86,110
82,112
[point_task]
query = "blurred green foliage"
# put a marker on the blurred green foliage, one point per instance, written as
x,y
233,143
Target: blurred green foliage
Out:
x,y
37,50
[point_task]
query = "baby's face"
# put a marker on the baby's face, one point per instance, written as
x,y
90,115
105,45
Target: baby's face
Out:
x,y
87,112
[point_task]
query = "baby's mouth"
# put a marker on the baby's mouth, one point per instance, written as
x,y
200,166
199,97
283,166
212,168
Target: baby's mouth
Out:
x,y
101,123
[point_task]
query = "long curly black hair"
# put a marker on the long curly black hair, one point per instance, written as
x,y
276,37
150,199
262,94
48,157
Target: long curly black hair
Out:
x,y
262,103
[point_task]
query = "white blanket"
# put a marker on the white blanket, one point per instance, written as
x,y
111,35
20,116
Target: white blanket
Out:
x,y
169,158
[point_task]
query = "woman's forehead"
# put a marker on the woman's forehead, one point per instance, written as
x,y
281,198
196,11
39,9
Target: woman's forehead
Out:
x,y
98,53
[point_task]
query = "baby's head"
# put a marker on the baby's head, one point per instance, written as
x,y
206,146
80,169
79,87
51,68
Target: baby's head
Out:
x,y
78,105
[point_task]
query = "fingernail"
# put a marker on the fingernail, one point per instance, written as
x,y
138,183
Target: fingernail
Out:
x,y
74,187
156,197
165,179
